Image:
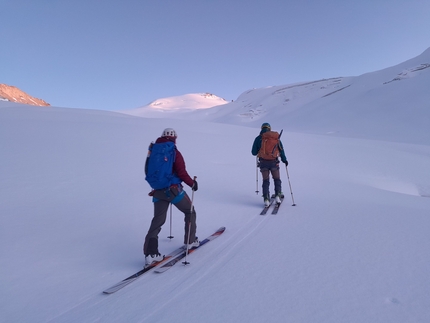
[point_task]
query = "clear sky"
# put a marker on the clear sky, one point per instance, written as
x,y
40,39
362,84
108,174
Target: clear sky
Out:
x,y
123,54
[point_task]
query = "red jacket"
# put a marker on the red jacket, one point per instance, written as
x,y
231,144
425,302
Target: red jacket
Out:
x,y
179,165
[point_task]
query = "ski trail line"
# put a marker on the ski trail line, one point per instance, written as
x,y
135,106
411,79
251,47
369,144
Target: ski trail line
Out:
x,y
226,248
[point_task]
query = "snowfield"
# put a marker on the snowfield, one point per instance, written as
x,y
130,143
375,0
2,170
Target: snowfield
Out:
x,y
74,209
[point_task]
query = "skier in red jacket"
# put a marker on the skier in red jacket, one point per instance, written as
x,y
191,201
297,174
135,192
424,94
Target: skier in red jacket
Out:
x,y
175,195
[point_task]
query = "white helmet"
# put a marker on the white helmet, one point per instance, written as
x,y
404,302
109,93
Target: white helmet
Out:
x,y
169,132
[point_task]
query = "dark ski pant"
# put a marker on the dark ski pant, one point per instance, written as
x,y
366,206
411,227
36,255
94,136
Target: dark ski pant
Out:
x,y
268,167
162,199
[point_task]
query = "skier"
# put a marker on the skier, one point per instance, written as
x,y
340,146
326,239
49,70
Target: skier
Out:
x,y
174,193
268,148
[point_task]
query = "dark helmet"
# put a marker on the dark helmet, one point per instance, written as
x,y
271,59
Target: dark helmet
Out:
x,y
266,125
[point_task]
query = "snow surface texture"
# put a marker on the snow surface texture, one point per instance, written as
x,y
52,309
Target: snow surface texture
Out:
x,y
74,209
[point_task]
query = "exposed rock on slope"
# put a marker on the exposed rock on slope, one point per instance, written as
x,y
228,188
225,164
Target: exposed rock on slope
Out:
x,y
13,94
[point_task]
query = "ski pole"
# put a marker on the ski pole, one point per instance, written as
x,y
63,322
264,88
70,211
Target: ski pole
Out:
x,y
185,262
256,174
192,196
289,183
170,236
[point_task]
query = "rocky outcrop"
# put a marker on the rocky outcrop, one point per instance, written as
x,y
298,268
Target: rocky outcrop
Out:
x,y
13,94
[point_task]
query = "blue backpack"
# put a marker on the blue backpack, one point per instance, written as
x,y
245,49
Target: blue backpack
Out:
x,y
160,165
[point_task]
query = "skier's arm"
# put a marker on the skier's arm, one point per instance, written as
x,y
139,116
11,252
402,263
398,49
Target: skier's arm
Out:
x,y
180,169
282,152
256,146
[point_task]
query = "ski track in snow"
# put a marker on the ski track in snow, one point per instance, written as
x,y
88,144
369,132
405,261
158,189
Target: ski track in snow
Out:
x,y
178,280
222,250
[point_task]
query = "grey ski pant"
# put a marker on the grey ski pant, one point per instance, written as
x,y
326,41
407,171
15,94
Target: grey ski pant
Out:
x,y
162,200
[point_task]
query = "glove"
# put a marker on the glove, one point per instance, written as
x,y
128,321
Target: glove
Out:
x,y
286,163
195,186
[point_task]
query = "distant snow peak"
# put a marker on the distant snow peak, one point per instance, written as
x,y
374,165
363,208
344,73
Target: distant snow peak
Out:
x,y
192,101
177,105
208,95
408,73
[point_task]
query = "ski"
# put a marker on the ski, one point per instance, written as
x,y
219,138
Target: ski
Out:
x,y
266,208
135,276
182,255
276,208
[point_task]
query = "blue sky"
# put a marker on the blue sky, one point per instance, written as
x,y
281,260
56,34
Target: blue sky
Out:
x,y
116,55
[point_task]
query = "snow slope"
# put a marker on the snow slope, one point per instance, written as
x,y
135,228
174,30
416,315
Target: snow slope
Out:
x,y
391,104
74,211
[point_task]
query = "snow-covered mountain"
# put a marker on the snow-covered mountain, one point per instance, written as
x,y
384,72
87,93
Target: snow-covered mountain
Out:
x,y
391,99
167,107
74,209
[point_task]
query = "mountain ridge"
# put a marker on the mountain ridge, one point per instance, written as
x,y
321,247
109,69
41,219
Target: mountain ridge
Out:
x,y
394,98
14,94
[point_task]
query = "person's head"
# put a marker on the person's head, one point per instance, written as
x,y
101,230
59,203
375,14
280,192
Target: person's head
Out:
x,y
170,134
266,126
